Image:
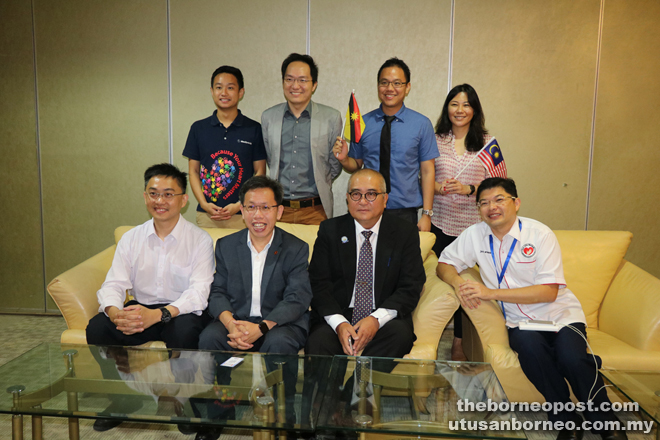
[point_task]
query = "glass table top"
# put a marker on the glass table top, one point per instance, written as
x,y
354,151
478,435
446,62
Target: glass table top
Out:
x,y
299,393
165,386
642,387
404,396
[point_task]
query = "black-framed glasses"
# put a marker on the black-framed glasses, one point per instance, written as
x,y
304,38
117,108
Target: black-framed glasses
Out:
x,y
153,195
498,201
356,196
263,208
383,83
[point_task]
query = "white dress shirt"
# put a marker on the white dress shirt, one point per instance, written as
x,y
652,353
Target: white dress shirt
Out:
x,y
258,264
177,270
382,315
535,260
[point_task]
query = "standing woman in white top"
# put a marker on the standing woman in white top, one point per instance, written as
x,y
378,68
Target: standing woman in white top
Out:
x,y
460,134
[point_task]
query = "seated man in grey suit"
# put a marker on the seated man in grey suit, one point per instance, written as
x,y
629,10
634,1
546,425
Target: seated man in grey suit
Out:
x,y
260,293
299,135
259,297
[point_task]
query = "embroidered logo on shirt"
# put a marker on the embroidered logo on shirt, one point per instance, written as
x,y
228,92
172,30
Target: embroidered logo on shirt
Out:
x,y
528,250
244,142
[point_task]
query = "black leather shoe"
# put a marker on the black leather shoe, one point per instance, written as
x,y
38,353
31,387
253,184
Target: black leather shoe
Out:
x,y
187,429
102,425
614,435
570,434
208,434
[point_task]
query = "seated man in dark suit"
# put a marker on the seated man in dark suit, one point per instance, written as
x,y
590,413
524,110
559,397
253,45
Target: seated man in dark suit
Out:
x,y
367,275
260,293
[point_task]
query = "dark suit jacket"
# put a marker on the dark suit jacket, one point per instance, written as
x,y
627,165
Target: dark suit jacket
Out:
x,y
398,274
285,288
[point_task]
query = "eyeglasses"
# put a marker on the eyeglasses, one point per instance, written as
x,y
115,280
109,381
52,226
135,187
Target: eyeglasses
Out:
x,y
302,81
499,201
356,196
383,83
265,209
166,196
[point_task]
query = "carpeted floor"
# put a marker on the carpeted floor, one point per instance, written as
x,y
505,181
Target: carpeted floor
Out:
x,y
21,333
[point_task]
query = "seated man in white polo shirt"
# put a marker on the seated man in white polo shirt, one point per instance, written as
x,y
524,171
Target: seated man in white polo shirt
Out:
x,y
520,263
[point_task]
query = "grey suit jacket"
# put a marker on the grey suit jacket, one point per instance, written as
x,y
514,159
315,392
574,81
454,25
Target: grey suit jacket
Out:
x,y
326,126
285,289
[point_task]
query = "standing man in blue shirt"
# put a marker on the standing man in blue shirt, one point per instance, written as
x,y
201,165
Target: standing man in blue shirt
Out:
x,y
398,142
299,135
223,151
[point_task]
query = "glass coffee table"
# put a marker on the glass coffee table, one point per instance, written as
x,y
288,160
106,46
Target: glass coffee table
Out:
x,y
642,387
271,395
382,397
194,389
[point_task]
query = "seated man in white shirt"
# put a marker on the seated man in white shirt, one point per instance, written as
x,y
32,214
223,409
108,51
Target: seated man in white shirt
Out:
x,y
520,263
166,264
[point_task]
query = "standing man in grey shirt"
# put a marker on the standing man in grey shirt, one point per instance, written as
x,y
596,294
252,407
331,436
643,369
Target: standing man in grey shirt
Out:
x,y
299,135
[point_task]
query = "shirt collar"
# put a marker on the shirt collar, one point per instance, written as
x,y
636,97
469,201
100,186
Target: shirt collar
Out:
x,y
514,232
176,233
249,242
401,114
237,121
308,109
374,229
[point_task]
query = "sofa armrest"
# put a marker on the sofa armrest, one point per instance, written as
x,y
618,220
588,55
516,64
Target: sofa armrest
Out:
x,y
629,311
507,368
436,307
487,319
74,291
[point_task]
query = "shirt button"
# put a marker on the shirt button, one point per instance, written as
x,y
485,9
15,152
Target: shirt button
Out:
x,y
225,138
294,166
295,137
294,151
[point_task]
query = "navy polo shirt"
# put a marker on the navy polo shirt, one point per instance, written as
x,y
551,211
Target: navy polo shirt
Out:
x,y
226,155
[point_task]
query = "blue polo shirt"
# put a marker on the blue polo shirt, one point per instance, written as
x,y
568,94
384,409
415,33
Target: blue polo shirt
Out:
x,y
413,142
226,155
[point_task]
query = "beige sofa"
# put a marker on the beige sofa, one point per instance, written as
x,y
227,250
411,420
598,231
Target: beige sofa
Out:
x,y
620,300
74,291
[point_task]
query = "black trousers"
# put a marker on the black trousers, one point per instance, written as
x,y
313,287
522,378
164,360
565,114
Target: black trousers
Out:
x,y
548,359
409,214
181,332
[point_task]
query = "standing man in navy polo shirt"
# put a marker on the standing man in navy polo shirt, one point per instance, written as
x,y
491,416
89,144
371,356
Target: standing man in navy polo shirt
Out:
x,y
223,151
398,142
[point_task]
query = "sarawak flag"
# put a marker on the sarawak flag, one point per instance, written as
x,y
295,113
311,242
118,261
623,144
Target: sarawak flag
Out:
x,y
491,157
354,122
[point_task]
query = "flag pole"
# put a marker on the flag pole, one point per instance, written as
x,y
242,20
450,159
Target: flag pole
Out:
x,y
471,160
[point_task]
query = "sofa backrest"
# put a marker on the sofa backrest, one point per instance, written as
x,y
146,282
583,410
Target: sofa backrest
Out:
x,y
307,233
591,259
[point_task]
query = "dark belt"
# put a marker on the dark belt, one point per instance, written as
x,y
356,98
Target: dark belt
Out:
x,y
302,203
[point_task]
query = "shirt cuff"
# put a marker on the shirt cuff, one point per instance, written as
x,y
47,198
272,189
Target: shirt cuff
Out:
x,y
384,316
334,320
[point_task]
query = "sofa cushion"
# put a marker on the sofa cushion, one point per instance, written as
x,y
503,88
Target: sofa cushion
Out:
x,y
591,258
634,297
618,355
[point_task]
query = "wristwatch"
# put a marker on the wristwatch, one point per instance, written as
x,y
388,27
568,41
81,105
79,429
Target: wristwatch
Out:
x,y
472,188
428,212
263,327
167,316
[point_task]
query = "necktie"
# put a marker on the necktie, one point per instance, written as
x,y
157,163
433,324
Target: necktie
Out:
x,y
385,141
364,289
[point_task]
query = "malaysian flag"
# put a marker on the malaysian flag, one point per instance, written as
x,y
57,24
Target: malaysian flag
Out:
x,y
491,157
354,122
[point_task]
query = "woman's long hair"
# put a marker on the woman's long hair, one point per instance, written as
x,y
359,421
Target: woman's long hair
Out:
x,y
474,140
